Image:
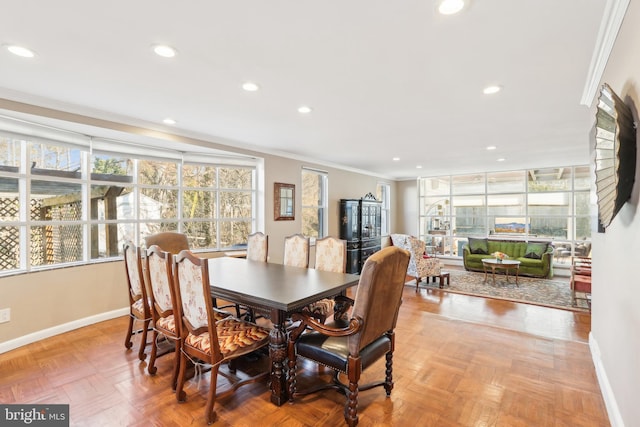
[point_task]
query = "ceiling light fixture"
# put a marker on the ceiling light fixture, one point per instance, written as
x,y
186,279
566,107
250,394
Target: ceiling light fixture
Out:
x,y
169,121
490,90
250,86
419,167
491,147
450,7
396,159
164,51
20,51
501,159
304,109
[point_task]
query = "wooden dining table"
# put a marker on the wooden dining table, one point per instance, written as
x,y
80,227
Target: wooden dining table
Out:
x,y
277,289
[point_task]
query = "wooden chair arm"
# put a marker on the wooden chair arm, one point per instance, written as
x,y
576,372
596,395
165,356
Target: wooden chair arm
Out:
x,y
308,321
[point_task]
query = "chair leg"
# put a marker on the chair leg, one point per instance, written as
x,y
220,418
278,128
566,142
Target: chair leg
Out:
x,y
176,365
154,354
351,407
388,380
181,396
143,340
209,413
127,341
291,379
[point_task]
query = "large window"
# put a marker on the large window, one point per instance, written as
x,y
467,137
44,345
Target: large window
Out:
x,y
547,204
63,203
314,203
217,204
383,193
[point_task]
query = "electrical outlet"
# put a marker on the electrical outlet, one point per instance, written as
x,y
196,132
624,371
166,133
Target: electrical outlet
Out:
x,y
5,315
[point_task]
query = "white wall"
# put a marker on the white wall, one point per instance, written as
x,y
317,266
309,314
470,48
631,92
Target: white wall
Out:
x,y
342,185
616,284
406,208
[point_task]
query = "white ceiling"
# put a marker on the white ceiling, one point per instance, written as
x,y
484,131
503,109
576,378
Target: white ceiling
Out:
x,y
385,78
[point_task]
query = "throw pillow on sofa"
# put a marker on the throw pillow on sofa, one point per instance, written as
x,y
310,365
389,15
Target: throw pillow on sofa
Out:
x,y
478,246
535,250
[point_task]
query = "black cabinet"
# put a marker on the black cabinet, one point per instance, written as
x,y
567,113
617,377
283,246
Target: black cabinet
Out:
x,y
360,226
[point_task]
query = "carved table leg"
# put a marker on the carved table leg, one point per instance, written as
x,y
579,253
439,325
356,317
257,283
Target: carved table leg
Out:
x,y
277,354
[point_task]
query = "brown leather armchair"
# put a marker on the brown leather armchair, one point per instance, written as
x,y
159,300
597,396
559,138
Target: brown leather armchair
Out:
x,y
349,349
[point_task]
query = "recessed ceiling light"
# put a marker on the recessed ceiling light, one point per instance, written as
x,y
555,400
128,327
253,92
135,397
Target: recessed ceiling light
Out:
x,y
491,147
164,50
501,159
250,86
449,7
490,90
395,159
20,51
169,121
304,109
419,167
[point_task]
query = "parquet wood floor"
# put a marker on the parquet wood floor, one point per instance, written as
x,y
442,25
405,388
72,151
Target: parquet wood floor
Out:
x,y
459,361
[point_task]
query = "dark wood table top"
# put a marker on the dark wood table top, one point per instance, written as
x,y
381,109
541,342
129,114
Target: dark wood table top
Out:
x,y
274,286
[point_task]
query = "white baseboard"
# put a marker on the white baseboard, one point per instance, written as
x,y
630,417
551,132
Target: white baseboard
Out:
x,y
66,327
607,393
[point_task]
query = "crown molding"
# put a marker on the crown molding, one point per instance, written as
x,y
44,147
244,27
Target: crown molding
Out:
x,y
612,17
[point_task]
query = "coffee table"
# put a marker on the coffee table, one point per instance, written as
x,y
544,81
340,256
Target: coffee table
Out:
x,y
505,264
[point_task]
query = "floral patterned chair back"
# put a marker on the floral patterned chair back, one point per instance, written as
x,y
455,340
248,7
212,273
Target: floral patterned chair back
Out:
x,y
159,264
257,247
296,251
133,262
331,255
195,305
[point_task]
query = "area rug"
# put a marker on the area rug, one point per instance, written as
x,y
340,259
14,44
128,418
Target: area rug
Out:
x,y
544,292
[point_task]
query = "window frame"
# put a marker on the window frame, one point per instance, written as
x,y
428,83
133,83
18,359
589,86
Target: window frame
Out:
x,y
321,207
432,194
17,148
383,190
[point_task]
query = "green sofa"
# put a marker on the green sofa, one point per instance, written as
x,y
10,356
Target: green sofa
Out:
x,y
527,253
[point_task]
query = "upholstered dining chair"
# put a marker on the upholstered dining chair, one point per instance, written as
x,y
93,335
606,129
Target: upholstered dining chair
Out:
x,y
296,251
169,241
205,339
159,276
369,335
139,307
331,255
419,266
174,242
257,247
